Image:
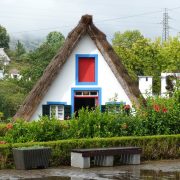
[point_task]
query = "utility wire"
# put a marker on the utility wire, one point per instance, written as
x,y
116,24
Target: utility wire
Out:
x,y
104,20
178,30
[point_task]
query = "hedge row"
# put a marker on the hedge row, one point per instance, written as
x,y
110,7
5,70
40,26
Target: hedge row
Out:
x,y
154,147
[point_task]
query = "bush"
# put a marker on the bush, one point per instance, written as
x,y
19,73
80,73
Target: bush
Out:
x,y
2,129
154,147
160,116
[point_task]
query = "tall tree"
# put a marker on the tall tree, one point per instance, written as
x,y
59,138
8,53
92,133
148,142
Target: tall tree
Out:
x,y
142,56
4,38
127,39
11,96
55,39
19,49
41,57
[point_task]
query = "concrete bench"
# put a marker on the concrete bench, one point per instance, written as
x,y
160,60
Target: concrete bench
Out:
x,y
104,156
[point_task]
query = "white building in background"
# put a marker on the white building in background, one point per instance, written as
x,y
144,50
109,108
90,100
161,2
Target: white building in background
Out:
x,y
164,82
4,57
1,74
145,85
15,74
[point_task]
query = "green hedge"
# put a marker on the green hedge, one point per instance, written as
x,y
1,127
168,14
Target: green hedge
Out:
x,y
154,147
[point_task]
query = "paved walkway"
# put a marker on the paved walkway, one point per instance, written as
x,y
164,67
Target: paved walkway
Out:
x,y
147,170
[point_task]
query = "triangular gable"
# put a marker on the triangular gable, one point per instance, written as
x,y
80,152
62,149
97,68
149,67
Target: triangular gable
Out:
x,y
84,27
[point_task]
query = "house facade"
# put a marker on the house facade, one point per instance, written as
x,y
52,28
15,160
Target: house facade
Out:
x,y
85,73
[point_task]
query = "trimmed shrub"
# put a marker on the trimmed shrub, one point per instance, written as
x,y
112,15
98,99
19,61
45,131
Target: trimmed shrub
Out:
x,y
154,147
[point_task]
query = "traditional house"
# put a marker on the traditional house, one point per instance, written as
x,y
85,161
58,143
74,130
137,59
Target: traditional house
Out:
x,y
85,72
4,59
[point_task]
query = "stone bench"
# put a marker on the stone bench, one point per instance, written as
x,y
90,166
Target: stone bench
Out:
x,y
104,156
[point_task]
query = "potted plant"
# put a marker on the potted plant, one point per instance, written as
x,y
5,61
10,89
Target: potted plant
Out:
x,y
31,157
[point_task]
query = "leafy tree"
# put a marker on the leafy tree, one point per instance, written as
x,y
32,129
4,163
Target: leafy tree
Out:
x,y
4,38
11,96
40,58
142,56
55,39
127,39
170,52
127,46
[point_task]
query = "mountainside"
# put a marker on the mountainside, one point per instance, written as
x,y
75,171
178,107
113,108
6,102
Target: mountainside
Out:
x,y
30,42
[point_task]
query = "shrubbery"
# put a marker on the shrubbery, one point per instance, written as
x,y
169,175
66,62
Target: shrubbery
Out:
x,y
154,147
159,116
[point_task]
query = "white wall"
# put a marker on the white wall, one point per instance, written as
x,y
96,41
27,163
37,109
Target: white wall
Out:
x,y
1,74
145,85
61,87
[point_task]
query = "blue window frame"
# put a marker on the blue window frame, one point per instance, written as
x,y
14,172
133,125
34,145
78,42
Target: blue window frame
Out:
x,y
85,89
95,56
56,103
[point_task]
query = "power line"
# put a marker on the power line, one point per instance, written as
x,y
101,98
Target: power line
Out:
x,y
106,20
131,16
172,9
178,30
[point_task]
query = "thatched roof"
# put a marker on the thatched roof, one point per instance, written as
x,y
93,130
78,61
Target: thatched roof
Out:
x,y
84,27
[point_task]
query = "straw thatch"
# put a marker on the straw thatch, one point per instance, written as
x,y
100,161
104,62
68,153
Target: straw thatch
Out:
x,y
84,27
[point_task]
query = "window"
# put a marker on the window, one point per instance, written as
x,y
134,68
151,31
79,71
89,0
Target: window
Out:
x,y
86,93
86,69
57,110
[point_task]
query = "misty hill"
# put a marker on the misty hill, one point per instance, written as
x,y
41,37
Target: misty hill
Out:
x,y
30,42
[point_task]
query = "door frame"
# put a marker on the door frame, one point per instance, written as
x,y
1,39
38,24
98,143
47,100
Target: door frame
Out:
x,y
85,89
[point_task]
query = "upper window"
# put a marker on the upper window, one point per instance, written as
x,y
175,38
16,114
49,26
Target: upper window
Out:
x,y
86,69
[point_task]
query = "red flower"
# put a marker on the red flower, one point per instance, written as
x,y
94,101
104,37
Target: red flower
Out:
x,y
2,142
156,108
164,110
127,107
9,126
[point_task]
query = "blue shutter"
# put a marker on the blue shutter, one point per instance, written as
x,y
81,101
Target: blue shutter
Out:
x,y
46,110
67,112
103,108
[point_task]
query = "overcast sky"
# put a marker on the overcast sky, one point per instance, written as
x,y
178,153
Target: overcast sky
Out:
x,y
38,17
